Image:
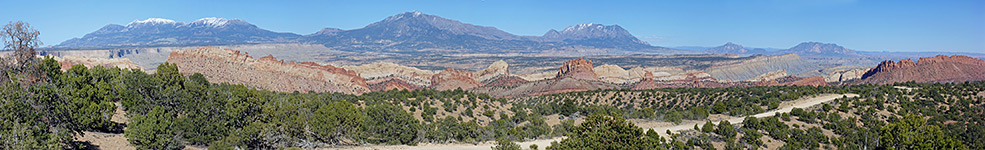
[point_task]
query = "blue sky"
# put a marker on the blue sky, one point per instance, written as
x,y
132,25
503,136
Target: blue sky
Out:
x,y
868,25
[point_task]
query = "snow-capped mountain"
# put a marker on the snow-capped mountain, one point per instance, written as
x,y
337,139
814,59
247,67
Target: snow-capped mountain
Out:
x,y
416,31
596,35
164,32
412,32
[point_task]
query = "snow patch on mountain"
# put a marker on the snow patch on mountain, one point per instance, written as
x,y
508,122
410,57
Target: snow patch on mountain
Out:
x,y
152,21
212,21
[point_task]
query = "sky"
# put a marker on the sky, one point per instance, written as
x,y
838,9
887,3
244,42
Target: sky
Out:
x,y
866,25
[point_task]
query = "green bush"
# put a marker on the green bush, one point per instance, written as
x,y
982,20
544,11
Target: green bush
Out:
x,y
337,120
386,123
153,131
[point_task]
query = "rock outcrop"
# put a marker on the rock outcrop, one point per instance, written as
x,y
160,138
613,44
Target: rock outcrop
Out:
x,y
845,75
66,62
452,79
498,68
748,69
957,68
646,83
577,69
618,75
383,70
229,66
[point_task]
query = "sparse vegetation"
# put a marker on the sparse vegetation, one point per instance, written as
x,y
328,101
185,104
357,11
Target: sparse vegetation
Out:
x,y
43,107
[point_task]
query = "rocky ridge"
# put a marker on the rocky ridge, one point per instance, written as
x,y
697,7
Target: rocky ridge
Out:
x,y
229,66
66,62
956,68
383,70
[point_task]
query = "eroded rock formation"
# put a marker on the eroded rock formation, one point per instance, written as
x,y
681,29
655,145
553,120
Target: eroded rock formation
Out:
x,y
225,65
384,70
577,69
498,68
452,79
618,75
957,68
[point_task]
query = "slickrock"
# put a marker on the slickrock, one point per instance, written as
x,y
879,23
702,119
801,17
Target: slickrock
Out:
x,y
577,69
957,68
617,75
383,70
123,63
497,68
229,66
451,79
845,75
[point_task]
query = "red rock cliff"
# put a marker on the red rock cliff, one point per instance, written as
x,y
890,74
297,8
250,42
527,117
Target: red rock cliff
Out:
x,y
577,69
940,68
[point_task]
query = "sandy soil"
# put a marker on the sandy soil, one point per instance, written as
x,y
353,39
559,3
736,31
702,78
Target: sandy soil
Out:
x,y
107,141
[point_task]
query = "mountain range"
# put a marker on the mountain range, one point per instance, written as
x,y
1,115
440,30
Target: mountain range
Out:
x,y
164,32
803,49
404,32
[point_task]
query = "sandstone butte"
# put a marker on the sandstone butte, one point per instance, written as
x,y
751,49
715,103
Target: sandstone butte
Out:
x,y
450,79
957,68
577,69
229,66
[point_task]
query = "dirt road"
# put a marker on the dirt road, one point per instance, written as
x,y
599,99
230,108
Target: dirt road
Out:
x,y
784,108
660,127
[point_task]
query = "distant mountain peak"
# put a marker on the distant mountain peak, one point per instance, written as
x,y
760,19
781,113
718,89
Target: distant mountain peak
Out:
x,y
818,48
165,32
217,22
153,21
732,48
409,15
590,27
598,35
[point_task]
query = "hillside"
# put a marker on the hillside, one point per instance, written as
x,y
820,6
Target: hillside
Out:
x,y
229,66
748,69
